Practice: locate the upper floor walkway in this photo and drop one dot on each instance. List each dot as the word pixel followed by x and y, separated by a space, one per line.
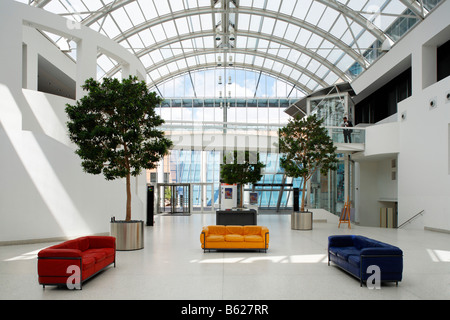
pixel 211 135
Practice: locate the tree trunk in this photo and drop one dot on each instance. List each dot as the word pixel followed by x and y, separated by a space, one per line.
pixel 128 215
pixel 302 207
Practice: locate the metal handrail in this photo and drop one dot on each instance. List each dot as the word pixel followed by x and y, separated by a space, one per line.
pixel 410 219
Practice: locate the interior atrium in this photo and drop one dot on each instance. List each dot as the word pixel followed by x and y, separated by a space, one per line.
pixel 231 73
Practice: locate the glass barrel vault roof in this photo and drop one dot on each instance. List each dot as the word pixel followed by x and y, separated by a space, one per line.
pixel 311 44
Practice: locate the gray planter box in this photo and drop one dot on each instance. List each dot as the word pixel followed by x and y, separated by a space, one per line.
pixel 301 220
pixel 129 234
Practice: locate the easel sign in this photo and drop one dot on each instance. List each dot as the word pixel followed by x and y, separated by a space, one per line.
pixel 345 215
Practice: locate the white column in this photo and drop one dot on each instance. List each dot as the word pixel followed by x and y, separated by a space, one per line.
pixel 11 67
pixel 86 64
pixel 346 178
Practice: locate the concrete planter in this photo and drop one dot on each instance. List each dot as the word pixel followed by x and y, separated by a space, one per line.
pixel 301 220
pixel 129 234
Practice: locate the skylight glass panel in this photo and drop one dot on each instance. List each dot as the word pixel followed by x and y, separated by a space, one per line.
pixel 267 25
pixel 287 7
pixel 301 9
pixel 122 19
pixel 315 13
pixel 356 5
pixel 331 78
pixel 194 23
pixel 303 37
pixel 177 6
pixel 255 23
pixel 328 18
pixel 245 3
pixel 182 25
pixel 158 33
pixel 156 56
pixel 146 60
pixel 93 5
pixel 203 3
pixel 110 27
pixel 146 37
pixel 259 61
pixel 74 5
pixel 277 67
pixel 268 63
pixel 148 9
pixel 55 7
pixel 259 3
pixel 292 32
pixel 294 55
pixel 169 28
pixel 172 67
pixel 136 42
pixel 206 22
pixel 135 13
pixel 345 62
pixel 273 5
pixel 339 27
pixel 280 28
pixel 243 22
pixel 162 7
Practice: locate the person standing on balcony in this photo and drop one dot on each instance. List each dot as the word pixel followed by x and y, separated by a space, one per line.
pixel 347 132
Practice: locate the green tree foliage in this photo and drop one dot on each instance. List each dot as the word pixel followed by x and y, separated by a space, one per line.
pixel 306 147
pixel 241 167
pixel 115 128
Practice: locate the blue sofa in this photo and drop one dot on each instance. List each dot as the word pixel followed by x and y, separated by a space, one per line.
pixel 354 254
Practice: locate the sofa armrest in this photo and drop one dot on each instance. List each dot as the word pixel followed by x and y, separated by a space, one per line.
pixel 340 241
pixel 59 253
pixel 381 251
pixel 203 236
pixel 265 234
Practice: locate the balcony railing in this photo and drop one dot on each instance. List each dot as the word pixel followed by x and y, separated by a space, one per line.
pixel 179 127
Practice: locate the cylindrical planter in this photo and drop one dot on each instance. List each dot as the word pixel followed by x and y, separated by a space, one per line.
pixel 129 234
pixel 301 220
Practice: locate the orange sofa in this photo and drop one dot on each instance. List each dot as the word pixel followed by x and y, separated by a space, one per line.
pixel 234 237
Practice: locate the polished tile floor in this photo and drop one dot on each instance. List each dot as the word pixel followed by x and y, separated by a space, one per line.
pixel 172 266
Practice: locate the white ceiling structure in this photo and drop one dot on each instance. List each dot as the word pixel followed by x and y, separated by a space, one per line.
pixel 310 44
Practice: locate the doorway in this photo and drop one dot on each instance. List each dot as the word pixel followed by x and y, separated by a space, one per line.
pixel 173 198
pixel 202 197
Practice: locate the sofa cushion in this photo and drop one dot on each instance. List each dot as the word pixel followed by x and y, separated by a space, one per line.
pixel 95 254
pixel 252 230
pixel 217 230
pixel 354 260
pixel 235 230
pixel 345 252
pixel 253 238
pixel 215 238
pixel 234 238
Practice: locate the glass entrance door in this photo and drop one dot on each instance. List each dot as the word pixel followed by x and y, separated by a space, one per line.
pixel 202 197
pixel 173 198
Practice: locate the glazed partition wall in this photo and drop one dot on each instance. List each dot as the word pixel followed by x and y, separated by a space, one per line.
pixel 197 164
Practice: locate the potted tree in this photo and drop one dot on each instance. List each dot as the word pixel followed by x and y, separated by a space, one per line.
pixel 115 129
pixel 306 147
pixel 241 168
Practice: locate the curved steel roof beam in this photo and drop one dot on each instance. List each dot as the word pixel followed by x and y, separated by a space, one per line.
pixel 204 66
pixel 321 60
pixel 242 51
pixel 416 7
pixel 264 13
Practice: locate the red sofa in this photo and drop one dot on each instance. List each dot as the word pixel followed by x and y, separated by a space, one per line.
pixel 91 254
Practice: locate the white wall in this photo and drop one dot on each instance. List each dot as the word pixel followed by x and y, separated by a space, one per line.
pixel 423 134
pixel 44 193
